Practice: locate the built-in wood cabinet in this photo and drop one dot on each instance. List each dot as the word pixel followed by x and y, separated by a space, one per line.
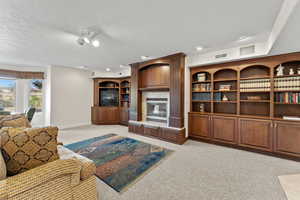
pixel 224 129
pixel 111 101
pixel 277 136
pixel 255 133
pixel 199 126
pixel 247 103
pixel 155 76
pixel 287 138
pixel 105 115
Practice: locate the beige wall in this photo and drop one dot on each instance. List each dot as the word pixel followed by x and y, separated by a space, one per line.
pixel 69 97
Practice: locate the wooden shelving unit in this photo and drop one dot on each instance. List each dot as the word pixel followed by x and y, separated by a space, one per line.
pixel 111 101
pixel 251 112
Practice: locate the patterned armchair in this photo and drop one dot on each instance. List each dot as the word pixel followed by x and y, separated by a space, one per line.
pixel 70 179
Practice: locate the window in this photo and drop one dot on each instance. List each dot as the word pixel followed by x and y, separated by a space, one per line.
pixel 36 94
pixel 7 96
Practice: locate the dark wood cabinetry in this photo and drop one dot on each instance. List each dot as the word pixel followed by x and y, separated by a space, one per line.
pixel 199 126
pixel 157 75
pixel 255 133
pixel 246 103
pixel 111 101
pixel 105 115
pixel 287 138
pixel 224 129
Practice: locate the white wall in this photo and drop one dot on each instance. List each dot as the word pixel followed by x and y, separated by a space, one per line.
pixel 69 97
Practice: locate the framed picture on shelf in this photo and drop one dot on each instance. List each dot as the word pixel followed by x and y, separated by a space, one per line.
pixel 225 87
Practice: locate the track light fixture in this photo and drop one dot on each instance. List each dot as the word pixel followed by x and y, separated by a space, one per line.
pixel 88 37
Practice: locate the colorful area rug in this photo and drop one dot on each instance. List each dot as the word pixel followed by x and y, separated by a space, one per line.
pixel 120 161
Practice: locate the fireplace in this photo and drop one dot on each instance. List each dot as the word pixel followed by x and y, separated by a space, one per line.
pixel 157 110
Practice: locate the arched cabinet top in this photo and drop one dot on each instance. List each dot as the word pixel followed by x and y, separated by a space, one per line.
pixel 255 71
pixel 109 84
pixel 225 74
pixel 201 76
pixel 158 64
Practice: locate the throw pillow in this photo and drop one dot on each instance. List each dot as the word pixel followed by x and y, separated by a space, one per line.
pixel 2 167
pixel 18 120
pixel 27 148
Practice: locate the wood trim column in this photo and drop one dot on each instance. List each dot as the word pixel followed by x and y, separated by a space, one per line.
pixel 176 118
pixel 134 94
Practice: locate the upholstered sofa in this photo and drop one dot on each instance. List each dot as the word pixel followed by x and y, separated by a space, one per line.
pixel 60 175
pixel 69 178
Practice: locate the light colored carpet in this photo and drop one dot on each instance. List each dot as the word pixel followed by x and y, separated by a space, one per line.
pixel 291 186
pixel 197 171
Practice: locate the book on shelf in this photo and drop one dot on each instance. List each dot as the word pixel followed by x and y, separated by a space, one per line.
pixel 287 97
pixel 255 85
pixel 202 87
pixel 218 96
pixel 287 83
pixel 201 97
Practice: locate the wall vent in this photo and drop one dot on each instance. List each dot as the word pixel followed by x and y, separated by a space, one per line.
pixel 247 50
pixel 223 55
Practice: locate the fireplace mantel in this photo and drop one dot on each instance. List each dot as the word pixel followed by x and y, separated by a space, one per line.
pixel 162 74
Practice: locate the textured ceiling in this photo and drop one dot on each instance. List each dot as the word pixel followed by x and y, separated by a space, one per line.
pixel 43 32
pixel 289 39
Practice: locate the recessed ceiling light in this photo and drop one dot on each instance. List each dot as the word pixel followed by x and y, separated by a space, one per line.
pixel 244 38
pixel 145 57
pixel 82 67
pixel 96 43
pixel 199 48
pixel 107 69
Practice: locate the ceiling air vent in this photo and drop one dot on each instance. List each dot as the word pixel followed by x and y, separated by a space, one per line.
pixel 247 50
pixel 224 55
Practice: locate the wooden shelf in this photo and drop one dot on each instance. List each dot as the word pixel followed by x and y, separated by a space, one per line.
pixel 254 78
pixel 201 91
pixel 225 101
pixel 199 101
pixel 208 81
pixel 225 91
pixel 255 91
pixel 154 88
pixel 282 103
pixel 256 101
pixel 295 75
pixel 286 90
pixel 225 80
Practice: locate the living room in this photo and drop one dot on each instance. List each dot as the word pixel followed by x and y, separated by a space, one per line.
pixel 150 100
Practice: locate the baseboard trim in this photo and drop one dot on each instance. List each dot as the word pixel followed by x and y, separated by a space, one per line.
pixel 72 126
